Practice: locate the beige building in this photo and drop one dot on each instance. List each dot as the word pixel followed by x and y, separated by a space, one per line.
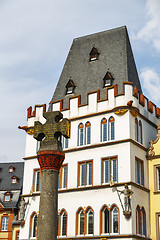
pixel 154 185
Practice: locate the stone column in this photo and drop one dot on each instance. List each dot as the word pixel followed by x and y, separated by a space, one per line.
pixel 50 157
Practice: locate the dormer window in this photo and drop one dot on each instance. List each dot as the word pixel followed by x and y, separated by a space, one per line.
pixel 10 169
pixel 14 180
pixel 7 197
pixel 70 87
pixel 107 80
pixel 94 54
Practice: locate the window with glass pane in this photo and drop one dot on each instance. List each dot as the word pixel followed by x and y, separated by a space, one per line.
pixel 64 177
pixel 138 219
pixel 115 220
pixel 104 130
pixel 81 223
pixel 109 170
pixel 85 173
pixel 140 132
pixel 66 142
pixel 106 221
pixel 114 169
pixel 57 223
pixel 89 173
pixel 111 129
pixel 90 222
pixel 4 226
pixel 36 176
pixel 34 233
pixel 17 236
pixel 80 134
pixel 64 224
pixel 136 130
pixel 82 174
pixel 139 172
pixel 158 178
pixel 88 133
pixel 143 220
pixel 7 197
pixel 106 171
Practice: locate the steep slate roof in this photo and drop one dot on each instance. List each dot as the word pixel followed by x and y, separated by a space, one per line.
pixel 5 182
pixel 115 56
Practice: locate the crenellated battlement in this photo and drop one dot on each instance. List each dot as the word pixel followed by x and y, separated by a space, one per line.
pixel 95 104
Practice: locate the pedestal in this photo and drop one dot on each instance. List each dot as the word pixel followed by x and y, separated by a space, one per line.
pixel 50 163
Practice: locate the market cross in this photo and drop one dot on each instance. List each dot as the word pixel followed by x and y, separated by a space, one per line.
pixel 50 133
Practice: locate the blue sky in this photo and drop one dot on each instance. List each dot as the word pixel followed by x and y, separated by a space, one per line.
pixel 35 37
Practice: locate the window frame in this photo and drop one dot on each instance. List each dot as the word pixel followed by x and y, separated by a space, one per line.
pixel 111 177
pixel 157 225
pixel 12 180
pixel 139 224
pixel 61 176
pixel 60 223
pixel 110 220
pixel 111 127
pixel 78 222
pixel 88 210
pixel 80 142
pixel 138 173
pixel 17 234
pixel 4 225
pixel 33 215
pixel 86 173
pixel 86 133
pixel 156 181
pixel 103 133
pixel 34 185
pixel 7 194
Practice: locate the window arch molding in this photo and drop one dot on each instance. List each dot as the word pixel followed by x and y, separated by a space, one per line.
pixel 103 129
pixel 80 139
pixel 89 225
pixel 80 222
pixel 111 128
pixel 102 219
pixel 140 221
pixel 87 133
pixel 114 219
pixel 33 225
pixel 62 222
pixel 140 132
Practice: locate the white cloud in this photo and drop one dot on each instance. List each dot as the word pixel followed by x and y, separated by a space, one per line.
pixel 151 83
pixel 151 31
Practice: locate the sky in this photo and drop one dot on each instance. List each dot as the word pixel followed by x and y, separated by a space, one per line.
pixel 35 38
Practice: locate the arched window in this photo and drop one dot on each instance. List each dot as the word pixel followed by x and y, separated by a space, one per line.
pixel 80 225
pixel 140 132
pixel 80 134
pixel 103 130
pixel 63 223
pixel 89 224
pixel 33 225
pixel 111 128
pixel 114 220
pixel 88 133
pixel 105 220
pixel 143 221
pixel 138 220
pixel 136 130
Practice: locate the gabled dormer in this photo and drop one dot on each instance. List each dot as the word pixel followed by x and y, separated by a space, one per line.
pixel 70 87
pixel 94 54
pixel 14 180
pixel 7 197
pixel 11 169
pixel 108 80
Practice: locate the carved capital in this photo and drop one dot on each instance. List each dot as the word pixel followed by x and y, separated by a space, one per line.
pixel 50 159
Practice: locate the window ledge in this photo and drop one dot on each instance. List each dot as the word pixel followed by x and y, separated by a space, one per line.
pixel 157 192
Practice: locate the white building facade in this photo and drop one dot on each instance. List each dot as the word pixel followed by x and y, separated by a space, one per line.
pixel 108 143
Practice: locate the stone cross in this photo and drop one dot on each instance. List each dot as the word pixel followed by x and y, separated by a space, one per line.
pixel 50 157
pixel 50 133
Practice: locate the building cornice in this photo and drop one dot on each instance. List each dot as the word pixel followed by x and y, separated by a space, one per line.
pixel 92 188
